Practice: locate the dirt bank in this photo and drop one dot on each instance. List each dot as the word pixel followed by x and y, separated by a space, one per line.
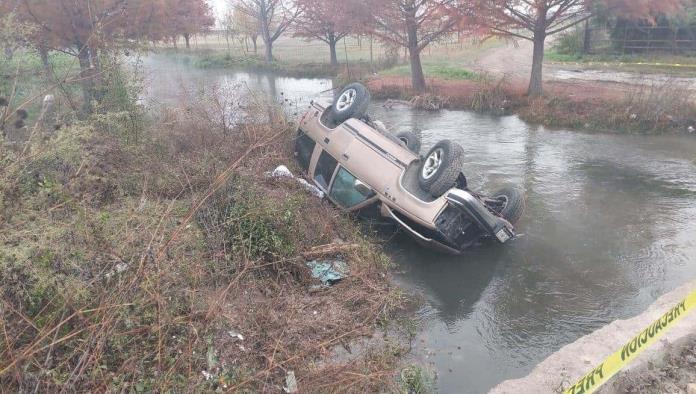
pixel 165 259
pixel 671 355
pixel 584 106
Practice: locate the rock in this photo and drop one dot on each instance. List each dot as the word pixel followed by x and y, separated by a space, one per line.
pixel 691 388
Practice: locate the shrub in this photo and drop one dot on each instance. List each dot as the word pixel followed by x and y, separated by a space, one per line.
pixel 570 43
pixel 242 220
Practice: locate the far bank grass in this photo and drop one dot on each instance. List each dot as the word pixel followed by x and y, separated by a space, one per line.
pixel 439 70
pixel 304 70
pixel 667 108
pixel 646 64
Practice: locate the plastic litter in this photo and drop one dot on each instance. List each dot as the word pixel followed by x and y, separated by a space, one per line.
pixel 284 172
pixel 290 383
pixel 329 272
pixel 235 334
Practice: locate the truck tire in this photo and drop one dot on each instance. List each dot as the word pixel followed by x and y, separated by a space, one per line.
pixel 441 167
pixel 514 203
pixel 411 141
pixel 351 102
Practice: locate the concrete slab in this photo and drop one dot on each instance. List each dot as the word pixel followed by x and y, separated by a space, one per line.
pixel 563 368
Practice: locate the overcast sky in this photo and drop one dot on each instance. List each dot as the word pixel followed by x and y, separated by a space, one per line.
pixel 219 7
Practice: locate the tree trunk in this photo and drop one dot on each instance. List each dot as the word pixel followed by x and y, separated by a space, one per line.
pixel 187 38
pixel 587 38
pixel 96 73
pixel 417 77
pixel 266 32
pixel 332 47
pixel 268 57
pixel 86 77
pixel 536 88
pixel 43 53
pixel 253 40
pixel 372 67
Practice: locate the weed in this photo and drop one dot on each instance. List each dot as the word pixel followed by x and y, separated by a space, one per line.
pixel 492 96
pixel 249 223
pixel 570 43
pixel 416 380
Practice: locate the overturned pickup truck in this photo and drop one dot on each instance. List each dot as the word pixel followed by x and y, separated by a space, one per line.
pixel 365 169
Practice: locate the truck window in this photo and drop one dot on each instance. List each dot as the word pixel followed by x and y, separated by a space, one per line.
pixel 325 169
pixel 343 190
pixel 304 147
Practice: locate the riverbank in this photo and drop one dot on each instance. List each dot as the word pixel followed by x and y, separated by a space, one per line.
pixel 666 366
pixel 297 70
pixel 581 106
pixel 677 66
pixel 141 251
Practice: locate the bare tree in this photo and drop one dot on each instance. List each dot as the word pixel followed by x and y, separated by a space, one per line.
pixel 274 17
pixel 247 26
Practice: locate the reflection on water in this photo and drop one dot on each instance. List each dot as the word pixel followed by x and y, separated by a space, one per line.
pixel 608 229
pixel 167 77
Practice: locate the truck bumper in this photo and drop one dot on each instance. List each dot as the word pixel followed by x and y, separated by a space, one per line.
pixel 495 226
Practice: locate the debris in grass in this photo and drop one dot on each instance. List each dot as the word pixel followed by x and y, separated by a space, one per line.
pixel 284 172
pixel 120 267
pixel 235 334
pixel 329 272
pixel 290 383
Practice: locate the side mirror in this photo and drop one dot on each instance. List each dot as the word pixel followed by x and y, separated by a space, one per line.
pixel 362 188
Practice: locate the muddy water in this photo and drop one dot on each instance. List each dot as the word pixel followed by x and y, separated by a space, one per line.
pixel 609 227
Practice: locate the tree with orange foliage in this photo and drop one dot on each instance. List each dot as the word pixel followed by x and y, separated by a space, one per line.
pixel 415 24
pixel 646 9
pixel 330 21
pixel 85 28
pixel 189 17
pixel 535 20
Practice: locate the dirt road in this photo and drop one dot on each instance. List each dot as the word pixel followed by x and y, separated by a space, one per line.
pixel 514 60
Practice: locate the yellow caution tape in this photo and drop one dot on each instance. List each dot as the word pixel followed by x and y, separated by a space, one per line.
pixel 613 364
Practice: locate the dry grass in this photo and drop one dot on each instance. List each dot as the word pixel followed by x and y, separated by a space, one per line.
pixel 658 108
pixel 484 94
pixel 132 267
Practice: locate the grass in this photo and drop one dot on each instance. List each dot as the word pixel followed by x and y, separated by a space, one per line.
pixel 26 66
pixel 442 71
pixel 649 64
pixel 666 107
pixel 305 70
